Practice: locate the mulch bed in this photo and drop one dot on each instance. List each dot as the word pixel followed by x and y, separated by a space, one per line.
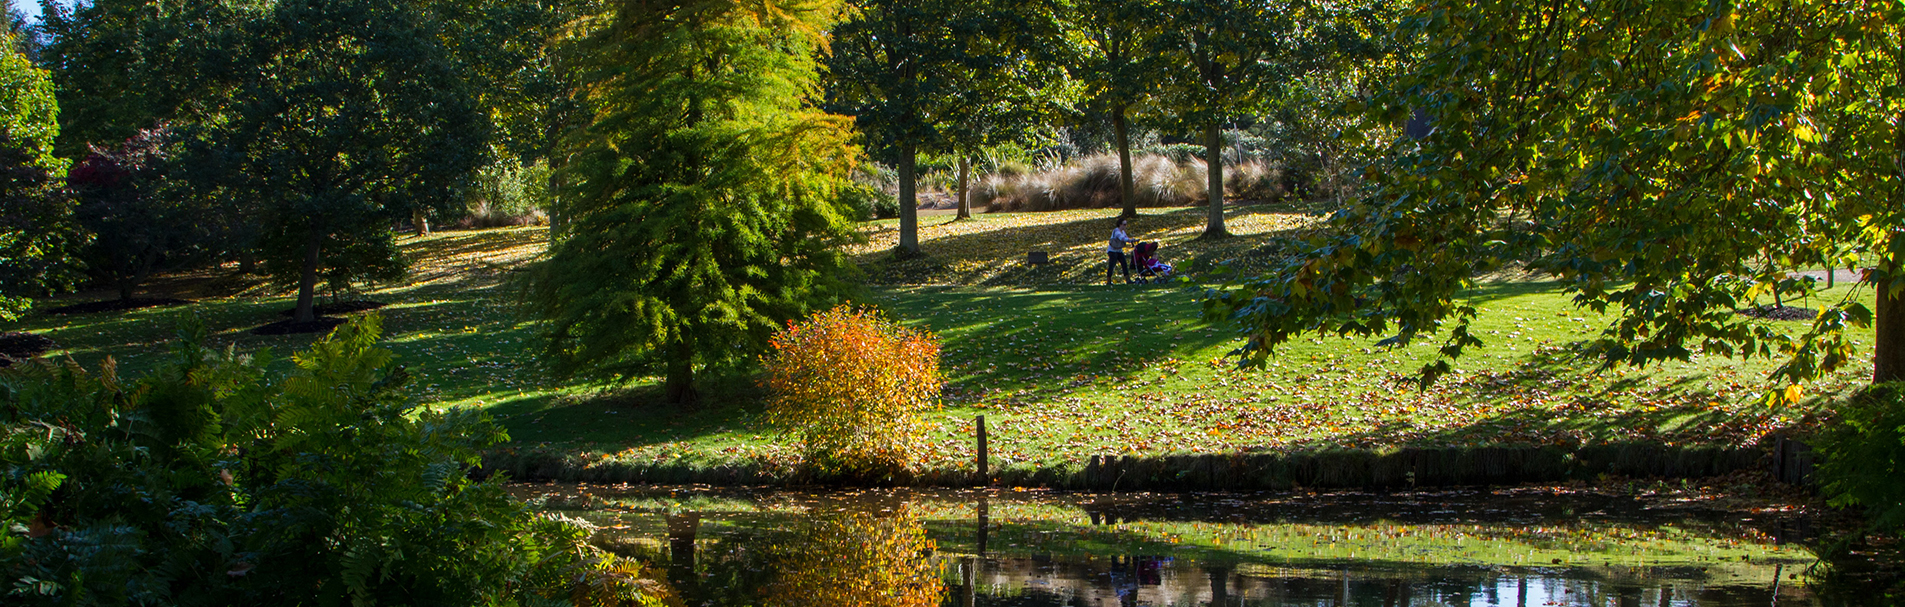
pixel 22 347
pixel 323 324
pixel 119 305
pixel 339 307
pixel 1780 313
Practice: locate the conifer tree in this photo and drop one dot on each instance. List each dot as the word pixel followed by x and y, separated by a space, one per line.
pixel 701 199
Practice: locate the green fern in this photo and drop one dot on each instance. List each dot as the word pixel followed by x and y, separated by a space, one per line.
pixel 214 481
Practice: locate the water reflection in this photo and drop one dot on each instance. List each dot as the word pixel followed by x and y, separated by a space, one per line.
pixel 881 548
pixel 832 559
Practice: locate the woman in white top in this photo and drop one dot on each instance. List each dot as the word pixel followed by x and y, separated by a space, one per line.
pixel 1116 250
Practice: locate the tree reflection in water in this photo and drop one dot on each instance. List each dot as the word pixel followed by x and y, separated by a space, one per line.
pixel 855 559
pixel 735 548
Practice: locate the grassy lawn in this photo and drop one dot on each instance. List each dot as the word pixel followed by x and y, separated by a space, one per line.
pixel 1063 366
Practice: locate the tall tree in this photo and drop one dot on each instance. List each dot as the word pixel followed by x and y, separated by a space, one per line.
pixel 38 237
pixel 702 197
pixel 503 48
pixel 889 59
pixel 1674 160
pixel 1009 85
pixel 942 75
pixel 1119 69
pixel 352 114
pixel 128 65
pixel 1235 55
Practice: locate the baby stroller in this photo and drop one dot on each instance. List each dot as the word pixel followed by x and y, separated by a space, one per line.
pixel 1145 256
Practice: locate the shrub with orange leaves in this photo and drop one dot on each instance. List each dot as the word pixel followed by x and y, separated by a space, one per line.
pixel 851 384
pixel 856 559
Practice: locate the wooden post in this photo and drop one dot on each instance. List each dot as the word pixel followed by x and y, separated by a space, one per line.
pixel 984 476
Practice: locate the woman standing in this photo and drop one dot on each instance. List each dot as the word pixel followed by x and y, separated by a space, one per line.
pixel 1116 251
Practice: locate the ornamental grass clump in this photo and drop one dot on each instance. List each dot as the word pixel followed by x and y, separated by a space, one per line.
pixel 852 384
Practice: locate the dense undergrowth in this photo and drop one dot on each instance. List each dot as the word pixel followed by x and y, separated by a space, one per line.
pixel 220 478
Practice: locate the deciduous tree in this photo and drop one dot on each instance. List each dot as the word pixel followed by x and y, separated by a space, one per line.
pixel 140 220
pixel 1235 55
pixel 127 65
pixel 943 75
pixel 1119 69
pixel 1673 161
pixel 352 114
pixel 38 237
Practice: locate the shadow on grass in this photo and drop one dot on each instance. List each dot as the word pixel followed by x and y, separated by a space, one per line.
pixel 631 416
pixel 1054 338
pixel 1007 268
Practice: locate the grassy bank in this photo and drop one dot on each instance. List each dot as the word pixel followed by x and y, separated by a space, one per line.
pixel 1063 367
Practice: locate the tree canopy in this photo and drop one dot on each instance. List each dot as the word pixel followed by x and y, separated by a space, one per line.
pixel 126 65
pixel 1233 56
pixel 37 235
pixel 943 75
pixel 142 219
pixel 702 199
pixel 1119 69
pixel 353 113
pixel 1675 161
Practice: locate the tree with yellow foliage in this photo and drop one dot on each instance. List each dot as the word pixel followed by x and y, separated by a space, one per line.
pixel 703 198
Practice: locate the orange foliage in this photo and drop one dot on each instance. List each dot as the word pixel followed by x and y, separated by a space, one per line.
pixel 852 384
pixel 857 559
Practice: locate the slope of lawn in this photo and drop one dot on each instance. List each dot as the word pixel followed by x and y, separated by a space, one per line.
pixel 1063 366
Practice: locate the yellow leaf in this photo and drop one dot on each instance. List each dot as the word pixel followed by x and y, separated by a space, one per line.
pixel 1793 393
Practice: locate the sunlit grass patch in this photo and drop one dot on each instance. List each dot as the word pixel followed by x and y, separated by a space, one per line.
pixel 991 249
pixel 1063 371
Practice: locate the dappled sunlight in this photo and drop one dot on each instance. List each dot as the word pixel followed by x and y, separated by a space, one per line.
pixel 457 256
pixel 991 249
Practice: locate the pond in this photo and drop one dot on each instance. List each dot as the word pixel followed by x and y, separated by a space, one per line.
pixel 1519 547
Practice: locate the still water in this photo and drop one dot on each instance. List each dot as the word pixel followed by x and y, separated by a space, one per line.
pixel 1520 547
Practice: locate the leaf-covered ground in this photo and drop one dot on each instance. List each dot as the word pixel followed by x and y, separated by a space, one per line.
pixel 1062 366
pixel 991 249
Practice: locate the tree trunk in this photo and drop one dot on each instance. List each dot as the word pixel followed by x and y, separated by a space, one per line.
pixel 1127 197
pixel 129 285
pixel 909 204
pixel 965 175
pixel 421 223
pixel 1888 349
pixel 247 262
pixel 1220 585
pixel 680 382
pixel 1214 168
pixel 307 282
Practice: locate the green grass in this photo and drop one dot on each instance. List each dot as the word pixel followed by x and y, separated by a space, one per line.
pixel 1062 368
